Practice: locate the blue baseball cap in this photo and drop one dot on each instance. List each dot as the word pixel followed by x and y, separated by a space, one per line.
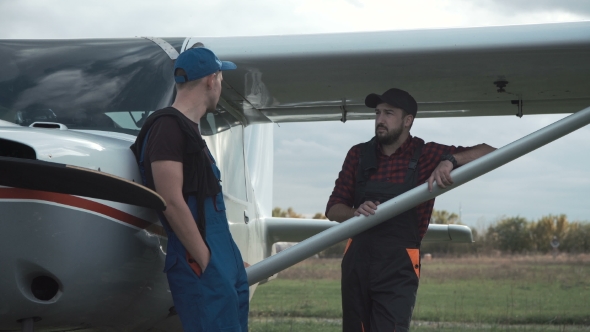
pixel 199 62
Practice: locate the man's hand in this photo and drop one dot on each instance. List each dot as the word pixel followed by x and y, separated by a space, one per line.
pixel 366 209
pixel 441 174
pixel 168 178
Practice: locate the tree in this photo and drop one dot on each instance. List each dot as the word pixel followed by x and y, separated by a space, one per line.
pixel 319 215
pixel 545 229
pixel 443 217
pixel 278 212
pixel 577 238
pixel 511 235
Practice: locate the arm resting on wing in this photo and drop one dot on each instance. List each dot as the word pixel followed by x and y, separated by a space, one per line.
pixel 442 172
pixel 473 153
pixel 168 178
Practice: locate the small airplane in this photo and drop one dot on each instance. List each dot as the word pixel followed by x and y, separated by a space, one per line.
pixel 79 254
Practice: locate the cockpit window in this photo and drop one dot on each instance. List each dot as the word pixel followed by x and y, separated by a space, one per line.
pixel 212 123
pixel 216 122
pixel 26 117
pixel 110 85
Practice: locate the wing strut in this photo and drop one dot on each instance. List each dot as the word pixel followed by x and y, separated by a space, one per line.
pixel 399 204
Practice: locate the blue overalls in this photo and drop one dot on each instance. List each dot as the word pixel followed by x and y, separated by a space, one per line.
pixel 218 299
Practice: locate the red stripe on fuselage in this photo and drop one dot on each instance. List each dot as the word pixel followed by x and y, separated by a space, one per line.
pixel 82 203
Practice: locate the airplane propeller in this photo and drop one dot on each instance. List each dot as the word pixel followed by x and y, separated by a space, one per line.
pixel 74 180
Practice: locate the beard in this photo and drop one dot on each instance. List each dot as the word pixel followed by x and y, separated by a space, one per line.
pixel 390 136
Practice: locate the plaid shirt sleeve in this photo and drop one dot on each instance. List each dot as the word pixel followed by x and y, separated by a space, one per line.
pixel 431 155
pixel 344 188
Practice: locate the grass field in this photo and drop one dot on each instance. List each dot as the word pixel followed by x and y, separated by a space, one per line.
pixel 514 293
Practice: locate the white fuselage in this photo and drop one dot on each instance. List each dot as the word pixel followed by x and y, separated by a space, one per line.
pixel 107 257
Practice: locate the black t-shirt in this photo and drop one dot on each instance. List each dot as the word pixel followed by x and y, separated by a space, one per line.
pixel 166 142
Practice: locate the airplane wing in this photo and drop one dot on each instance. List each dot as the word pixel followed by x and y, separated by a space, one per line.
pixel 294 229
pixel 299 229
pixel 529 69
pixel 507 70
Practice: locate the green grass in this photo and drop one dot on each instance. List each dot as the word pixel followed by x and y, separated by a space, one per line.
pixel 291 324
pixel 484 294
pixel 463 327
pixel 319 325
pixel 505 291
pixel 297 298
pixel 492 301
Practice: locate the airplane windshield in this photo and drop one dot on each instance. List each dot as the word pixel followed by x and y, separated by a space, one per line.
pixel 212 123
pixel 95 84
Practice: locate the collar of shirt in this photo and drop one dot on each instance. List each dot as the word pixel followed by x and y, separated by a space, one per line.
pixel 406 147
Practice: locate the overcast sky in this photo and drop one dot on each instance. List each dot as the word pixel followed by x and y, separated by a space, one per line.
pixel 554 179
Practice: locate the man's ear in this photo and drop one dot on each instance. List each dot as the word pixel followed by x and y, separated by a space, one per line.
pixel 210 79
pixel 409 119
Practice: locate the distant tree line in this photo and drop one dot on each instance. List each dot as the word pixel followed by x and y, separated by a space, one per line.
pixel 509 235
pixel 517 235
pixel 289 213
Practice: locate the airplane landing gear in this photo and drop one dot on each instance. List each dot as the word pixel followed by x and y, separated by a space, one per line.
pixel 27 324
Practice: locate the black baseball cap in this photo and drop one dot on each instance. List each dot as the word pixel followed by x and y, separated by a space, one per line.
pixel 394 97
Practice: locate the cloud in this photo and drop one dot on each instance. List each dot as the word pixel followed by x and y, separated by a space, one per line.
pixel 109 19
pixel 514 7
pixel 179 18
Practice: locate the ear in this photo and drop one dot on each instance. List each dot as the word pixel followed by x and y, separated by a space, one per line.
pixel 408 120
pixel 210 80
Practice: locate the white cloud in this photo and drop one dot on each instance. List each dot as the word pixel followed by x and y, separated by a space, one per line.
pixel 178 18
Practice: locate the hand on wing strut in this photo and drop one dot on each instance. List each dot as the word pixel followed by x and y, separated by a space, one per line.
pixel 366 208
pixel 441 174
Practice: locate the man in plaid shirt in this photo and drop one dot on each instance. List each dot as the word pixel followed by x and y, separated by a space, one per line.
pixel 381 266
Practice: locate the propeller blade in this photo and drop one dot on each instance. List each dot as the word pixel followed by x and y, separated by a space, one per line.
pixel 74 180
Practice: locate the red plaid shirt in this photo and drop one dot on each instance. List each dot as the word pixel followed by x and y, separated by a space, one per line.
pixel 392 169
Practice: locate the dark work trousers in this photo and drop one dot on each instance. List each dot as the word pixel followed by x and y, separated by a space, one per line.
pixel 379 284
pixel 381 266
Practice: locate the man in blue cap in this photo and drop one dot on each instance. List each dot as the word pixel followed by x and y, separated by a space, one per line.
pixel 204 267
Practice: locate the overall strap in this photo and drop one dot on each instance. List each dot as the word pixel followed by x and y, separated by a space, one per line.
pixel 141 157
pixel 414 162
pixel 367 165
